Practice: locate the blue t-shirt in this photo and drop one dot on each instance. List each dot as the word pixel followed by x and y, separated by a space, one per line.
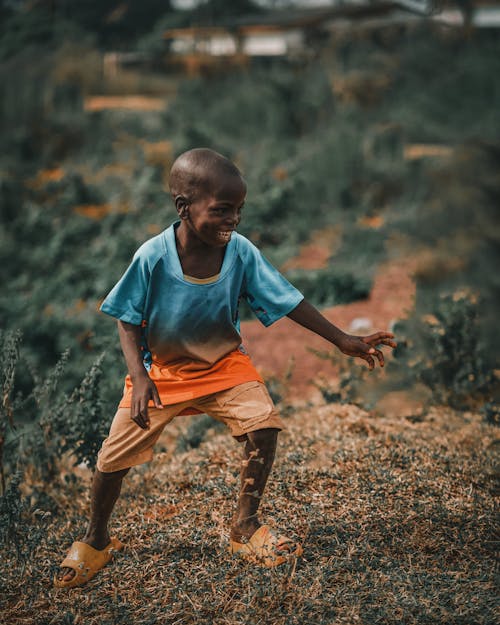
pixel 196 322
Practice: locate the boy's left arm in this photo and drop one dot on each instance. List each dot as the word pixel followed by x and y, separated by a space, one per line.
pixel 306 315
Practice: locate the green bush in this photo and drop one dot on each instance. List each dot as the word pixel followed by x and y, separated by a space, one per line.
pixel 329 287
pixel 311 160
pixel 445 352
pixel 351 383
pixel 38 427
pixel 196 432
pixel 37 430
pixel 22 527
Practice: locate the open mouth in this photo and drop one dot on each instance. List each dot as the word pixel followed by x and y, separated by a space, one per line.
pixel 224 235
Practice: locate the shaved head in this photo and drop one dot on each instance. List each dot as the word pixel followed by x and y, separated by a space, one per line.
pixel 201 171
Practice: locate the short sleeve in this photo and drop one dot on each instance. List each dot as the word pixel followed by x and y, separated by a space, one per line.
pixel 269 294
pixel 126 301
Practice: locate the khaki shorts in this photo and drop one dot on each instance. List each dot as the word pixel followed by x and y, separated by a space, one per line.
pixel 244 408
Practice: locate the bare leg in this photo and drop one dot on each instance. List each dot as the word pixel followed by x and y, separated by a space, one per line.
pixel 105 491
pixel 258 458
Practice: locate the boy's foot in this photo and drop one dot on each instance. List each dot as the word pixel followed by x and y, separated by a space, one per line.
pixel 241 532
pixel 266 548
pixel 84 559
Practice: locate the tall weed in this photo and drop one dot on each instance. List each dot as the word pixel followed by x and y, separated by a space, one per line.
pixel 41 426
pixel 22 526
pixel 9 345
pixel 39 431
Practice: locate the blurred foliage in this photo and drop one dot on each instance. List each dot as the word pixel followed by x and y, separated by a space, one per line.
pixel 196 432
pixel 211 11
pixel 37 27
pixel 113 25
pixel 39 427
pixel 320 144
pixel 438 112
pixel 328 287
pixel 345 389
pixel 446 352
pixel 22 526
pixel 451 343
pixel 47 22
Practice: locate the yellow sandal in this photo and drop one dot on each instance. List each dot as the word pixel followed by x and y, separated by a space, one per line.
pixel 86 562
pixel 265 548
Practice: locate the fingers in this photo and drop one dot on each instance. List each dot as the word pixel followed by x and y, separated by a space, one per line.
pixel 139 410
pixel 380 338
pixel 142 420
pixel 156 398
pixel 389 343
pixel 365 347
pixel 370 361
pixel 380 357
pixel 139 413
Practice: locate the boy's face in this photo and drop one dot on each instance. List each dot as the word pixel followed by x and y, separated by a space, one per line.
pixel 213 216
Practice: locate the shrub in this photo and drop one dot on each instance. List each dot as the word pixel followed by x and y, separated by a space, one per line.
pixel 196 432
pixel 9 345
pixel 347 386
pixel 331 286
pixel 446 352
pixel 36 428
pixel 40 425
pixel 22 527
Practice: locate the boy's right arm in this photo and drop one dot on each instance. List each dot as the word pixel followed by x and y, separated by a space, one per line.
pixel 143 388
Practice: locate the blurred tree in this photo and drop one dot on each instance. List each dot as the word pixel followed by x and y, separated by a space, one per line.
pixel 38 27
pixel 115 24
pixel 466 7
pixel 211 11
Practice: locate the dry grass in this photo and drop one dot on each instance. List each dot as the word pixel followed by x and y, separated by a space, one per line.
pixel 396 517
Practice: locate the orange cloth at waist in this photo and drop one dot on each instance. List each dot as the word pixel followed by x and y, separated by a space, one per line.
pixel 180 382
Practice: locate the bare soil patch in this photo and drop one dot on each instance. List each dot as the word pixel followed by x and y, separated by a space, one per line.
pixel 286 344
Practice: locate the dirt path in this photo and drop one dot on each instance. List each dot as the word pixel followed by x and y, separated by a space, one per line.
pixel 273 349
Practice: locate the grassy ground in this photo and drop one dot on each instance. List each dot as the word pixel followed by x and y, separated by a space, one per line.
pixel 396 517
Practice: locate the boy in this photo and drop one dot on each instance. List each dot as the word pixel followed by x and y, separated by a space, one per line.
pixel 177 311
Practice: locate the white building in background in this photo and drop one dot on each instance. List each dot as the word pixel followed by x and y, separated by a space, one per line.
pixel 264 41
pixel 293 33
pixel 288 33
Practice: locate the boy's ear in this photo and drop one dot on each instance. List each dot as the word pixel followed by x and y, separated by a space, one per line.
pixel 182 205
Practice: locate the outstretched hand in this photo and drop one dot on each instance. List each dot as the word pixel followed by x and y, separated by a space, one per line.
pixel 365 347
pixel 143 391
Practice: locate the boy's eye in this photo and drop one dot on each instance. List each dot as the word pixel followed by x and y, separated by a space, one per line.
pixel 221 210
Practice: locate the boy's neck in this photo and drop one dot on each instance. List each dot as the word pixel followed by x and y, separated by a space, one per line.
pixel 197 259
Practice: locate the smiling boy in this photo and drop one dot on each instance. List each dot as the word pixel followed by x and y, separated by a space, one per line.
pixel 177 312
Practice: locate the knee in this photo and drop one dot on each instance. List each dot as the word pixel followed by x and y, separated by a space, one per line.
pixel 112 476
pixel 263 436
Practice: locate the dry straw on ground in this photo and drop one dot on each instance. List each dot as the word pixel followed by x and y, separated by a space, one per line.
pixel 396 517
